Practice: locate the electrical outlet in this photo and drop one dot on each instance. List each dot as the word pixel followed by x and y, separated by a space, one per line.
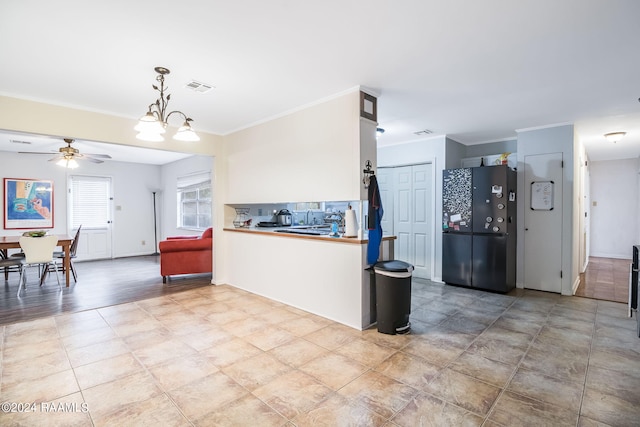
pixel 144 243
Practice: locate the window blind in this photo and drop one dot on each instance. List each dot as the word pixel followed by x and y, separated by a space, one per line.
pixel 90 201
pixel 193 179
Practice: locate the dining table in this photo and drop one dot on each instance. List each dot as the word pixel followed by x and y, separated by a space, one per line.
pixel 64 241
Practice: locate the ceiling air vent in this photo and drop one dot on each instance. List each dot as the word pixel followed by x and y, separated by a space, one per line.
pixel 15 141
pixel 423 132
pixel 199 86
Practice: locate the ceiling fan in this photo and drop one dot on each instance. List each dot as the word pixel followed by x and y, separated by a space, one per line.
pixel 69 155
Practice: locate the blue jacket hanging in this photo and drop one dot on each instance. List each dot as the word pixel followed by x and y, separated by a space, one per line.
pixel 374 221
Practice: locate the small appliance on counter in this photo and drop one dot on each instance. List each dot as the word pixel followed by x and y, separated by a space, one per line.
pixel 284 217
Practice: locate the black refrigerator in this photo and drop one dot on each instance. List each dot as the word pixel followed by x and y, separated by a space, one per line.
pixel 479 227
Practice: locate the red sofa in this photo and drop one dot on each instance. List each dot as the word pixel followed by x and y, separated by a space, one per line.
pixel 186 255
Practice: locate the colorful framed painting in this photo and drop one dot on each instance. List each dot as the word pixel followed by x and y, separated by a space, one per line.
pixel 28 203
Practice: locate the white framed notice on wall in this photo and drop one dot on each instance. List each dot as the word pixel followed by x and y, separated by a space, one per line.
pixel 542 195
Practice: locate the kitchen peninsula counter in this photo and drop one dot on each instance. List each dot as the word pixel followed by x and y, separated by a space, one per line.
pixel 274 232
pixel 322 275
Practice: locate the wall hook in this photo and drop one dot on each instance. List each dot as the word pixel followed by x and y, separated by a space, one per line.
pixel 367 171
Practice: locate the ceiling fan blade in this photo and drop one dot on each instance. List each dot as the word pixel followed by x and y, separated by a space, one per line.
pixel 55 159
pixel 37 152
pixel 101 156
pixel 92 160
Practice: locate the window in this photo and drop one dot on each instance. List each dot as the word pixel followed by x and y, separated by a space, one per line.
pixel 89 200
pixel 194 201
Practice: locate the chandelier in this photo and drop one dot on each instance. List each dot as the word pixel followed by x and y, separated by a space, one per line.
pixel 153 125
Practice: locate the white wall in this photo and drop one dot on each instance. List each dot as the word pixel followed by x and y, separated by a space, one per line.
pixel 552 139
pixel 132 182
pixel 167 189
pixel 311 154
pixel 614 202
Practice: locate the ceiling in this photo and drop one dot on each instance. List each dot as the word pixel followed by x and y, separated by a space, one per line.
pixel 475 71
pixel 49 146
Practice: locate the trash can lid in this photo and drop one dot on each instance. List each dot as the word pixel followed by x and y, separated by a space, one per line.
pixel 395 266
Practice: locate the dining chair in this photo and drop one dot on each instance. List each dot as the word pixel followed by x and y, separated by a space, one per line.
pixel 38 251
pixel 72 254
pixel 10 264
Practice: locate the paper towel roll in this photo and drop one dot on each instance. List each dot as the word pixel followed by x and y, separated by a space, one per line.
pixel 350 224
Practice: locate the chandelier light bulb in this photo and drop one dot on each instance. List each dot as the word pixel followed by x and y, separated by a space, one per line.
pixel 185 133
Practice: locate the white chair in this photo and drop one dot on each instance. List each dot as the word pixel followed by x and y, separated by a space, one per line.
pixel 38 251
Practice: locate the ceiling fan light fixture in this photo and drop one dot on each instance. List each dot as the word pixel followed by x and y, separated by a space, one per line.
pixel 614 136
pixel 67 162
pixel 152 125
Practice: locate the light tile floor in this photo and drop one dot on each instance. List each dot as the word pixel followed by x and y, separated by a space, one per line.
pixel 221 356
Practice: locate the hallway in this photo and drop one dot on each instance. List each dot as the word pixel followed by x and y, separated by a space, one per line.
pixel 605 279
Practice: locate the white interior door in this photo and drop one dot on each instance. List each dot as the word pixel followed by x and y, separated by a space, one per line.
pixel 403 208
pixel 543 222
pixel 90 205
pixel 421 219
pixel 407 192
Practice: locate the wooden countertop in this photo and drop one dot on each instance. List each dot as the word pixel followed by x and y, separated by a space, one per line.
pixel 325 238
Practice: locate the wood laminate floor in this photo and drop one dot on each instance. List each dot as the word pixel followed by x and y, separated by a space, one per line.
pixel 605 279
pixel 100 284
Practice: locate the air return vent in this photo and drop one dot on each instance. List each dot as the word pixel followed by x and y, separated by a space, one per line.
pixel 15 141
pixel 199 86
pixel 423 132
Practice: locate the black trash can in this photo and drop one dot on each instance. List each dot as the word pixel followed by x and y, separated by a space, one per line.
pixel 393 296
